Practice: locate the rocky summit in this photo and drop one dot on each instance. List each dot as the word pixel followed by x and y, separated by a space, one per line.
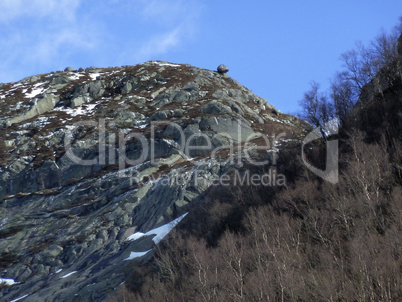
pixel 98 165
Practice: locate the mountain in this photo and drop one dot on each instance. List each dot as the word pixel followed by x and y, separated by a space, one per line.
pixel 98 165
pixel 312 240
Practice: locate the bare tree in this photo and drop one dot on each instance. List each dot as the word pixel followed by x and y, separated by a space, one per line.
pixel 343 95
pixel 364 63
pixel 316 108
pixel 376 64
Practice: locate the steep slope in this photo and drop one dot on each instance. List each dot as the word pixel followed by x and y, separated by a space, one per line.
pixel 91 157
pixel 314 240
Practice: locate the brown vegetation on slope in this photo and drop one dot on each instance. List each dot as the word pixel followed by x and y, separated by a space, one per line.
pixel 310 242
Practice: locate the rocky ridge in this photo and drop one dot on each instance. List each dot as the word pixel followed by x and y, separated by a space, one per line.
pixel 91 157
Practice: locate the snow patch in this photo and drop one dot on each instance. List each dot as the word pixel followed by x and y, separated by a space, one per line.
pixel 40 122
pixel 78 110
pixel 75 76
pixel 21 132
pixel 165 229
pixel 160 232
pixel 20 298
pixel 166 64
pixel 171 142
pixel 94 76
pixel 135 236
pixel 141 124
pixel 18 105
pixel 15 86
pixel 8 282
pixel 69 274
pixel 36 91
pixel 134 255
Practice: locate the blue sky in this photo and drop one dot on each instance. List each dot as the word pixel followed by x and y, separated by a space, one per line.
pixel 275 48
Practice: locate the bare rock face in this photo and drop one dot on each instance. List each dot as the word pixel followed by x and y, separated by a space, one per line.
pixel 223 69
pixel 90 157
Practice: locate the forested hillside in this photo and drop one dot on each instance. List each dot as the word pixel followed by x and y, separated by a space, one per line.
pixel 311 240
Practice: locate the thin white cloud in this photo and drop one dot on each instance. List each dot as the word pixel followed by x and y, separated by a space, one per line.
pixel 13 9
pixel 56 45
pixel 40 34
pixel 180 23
pixel 44 35
pixel 159 44
pixel 166 11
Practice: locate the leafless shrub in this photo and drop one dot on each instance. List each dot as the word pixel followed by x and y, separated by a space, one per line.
pixel 313 241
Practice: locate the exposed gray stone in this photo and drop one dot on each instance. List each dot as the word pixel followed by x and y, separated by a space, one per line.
pixel 237 129
pixel 52 251
pixel 215 107
pixel 60 80
pixel 180 96
pixel 31 79
pixel 62 212
pixel 127 88
pixel 95 89
pixel 191 86
pixel 43 104
pixel 223 68
pixel 94 246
